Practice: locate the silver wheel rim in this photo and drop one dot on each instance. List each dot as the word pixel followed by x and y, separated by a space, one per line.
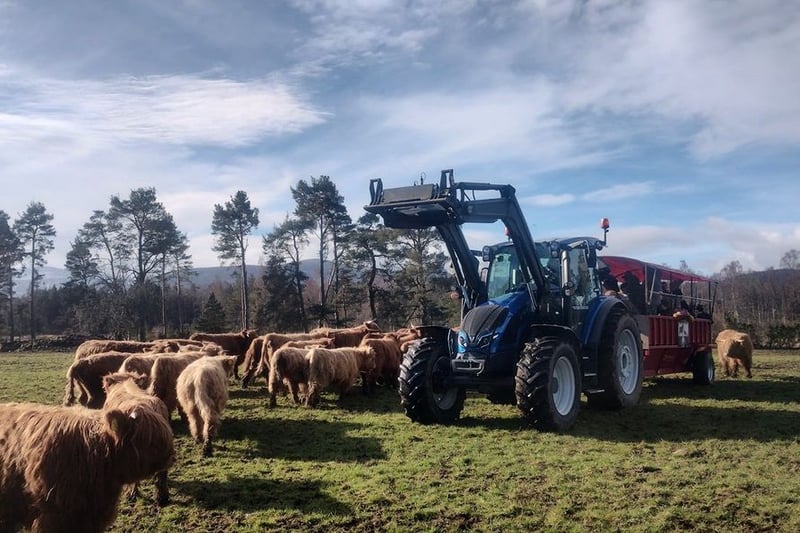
pixel 710 368
pixel 628 362
pixel 444 399
pixel 447 399
pixel 562 386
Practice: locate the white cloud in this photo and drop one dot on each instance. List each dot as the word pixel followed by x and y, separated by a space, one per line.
pixel 181 110
pixel 727 69
pixel 622 191
pixel 548 200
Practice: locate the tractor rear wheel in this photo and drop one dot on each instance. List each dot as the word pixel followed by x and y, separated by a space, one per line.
pixel 703 370
pixel 425 392
pixel 548 384
pixel 620 364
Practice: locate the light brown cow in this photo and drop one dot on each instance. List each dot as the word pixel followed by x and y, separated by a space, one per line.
pixel 124 391
pixel 94 346
pixel 233 343
pixel 63 468
pixel 338 368
pixel 202 389
pixel 735 349
pixel 86 375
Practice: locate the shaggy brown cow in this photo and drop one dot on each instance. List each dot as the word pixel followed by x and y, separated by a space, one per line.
pixel 94 346
pixel 202 390
pixel 87 376
pixel 124 391
pixel 735 349
pixel 264 367
pixel 257 361
pixel 252 359
pixel 288 368
pixel 348 337
pixel 338 368
pixel 62 469
pixel 387 361
pixel 233 343
pixel 141 364
pixel 172 345
pixel 164 377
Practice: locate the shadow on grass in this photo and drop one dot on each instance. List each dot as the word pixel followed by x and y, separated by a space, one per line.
pixel 673 409
pixel 253 494
pixel 678 410
pixel 781 389
pixel 678 422
pixel 304 440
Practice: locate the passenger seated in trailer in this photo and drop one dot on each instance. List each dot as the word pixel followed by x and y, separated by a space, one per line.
pixel 632 288
pixel 610 286
pixel 682 311
pixel 665 308
pixel 701 313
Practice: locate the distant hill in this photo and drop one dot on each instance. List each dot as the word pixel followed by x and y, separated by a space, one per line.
pixel 205 276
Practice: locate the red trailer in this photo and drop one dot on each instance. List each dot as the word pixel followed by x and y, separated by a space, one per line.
pixel 673 310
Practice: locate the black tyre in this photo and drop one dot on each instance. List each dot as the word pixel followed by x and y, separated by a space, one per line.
pixel 703 369
pixel 548 384
pixel 425 393
pixel 620 364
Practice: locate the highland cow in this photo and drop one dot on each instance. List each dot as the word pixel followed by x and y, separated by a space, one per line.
pixel 233 343
pixel 252 360
pixel 317 342
pixel 257 361
pixel 86 375
pixel 124 391
pixel 164 377
pixel 735 349
pixel 63 468
pixel 387 362
pixel 202 390
pixel 172 345
pixel 288 368
pixel 348 337
pixel 94 346
pixel 141 364
pixel 337 368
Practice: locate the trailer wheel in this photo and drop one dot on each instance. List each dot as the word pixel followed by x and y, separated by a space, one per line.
pixel 703 370
pixel 425 393
pixel 548 384
pixel 620 364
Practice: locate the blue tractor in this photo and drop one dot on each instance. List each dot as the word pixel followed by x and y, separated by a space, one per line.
pixel 537 330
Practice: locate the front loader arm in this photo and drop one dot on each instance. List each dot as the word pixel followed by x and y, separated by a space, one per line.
pixel 446 206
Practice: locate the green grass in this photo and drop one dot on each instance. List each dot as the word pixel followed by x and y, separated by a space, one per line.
pixel 720 458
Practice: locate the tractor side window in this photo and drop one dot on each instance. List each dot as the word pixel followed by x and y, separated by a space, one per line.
pixel 580 276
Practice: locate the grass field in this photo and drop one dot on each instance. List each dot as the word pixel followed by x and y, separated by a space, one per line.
pixel 719 458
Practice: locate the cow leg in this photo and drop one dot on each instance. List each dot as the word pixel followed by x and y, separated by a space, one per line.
pixel 162 491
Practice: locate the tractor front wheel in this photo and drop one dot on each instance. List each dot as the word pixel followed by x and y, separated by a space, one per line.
pixel 425 392
pixel 548 384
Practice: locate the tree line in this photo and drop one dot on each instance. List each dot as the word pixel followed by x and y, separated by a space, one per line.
pixel 131 274
pixel 130 271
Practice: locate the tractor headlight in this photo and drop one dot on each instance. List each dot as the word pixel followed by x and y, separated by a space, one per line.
pixel 463 341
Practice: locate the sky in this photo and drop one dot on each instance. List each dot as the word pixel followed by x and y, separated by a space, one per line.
pixel 679 121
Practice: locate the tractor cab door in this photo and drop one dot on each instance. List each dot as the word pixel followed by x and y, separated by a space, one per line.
pixel 580 284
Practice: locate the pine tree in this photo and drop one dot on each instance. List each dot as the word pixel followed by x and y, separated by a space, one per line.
pixel 212 319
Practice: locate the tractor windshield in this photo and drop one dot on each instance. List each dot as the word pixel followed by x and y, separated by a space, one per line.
pixel 505 274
